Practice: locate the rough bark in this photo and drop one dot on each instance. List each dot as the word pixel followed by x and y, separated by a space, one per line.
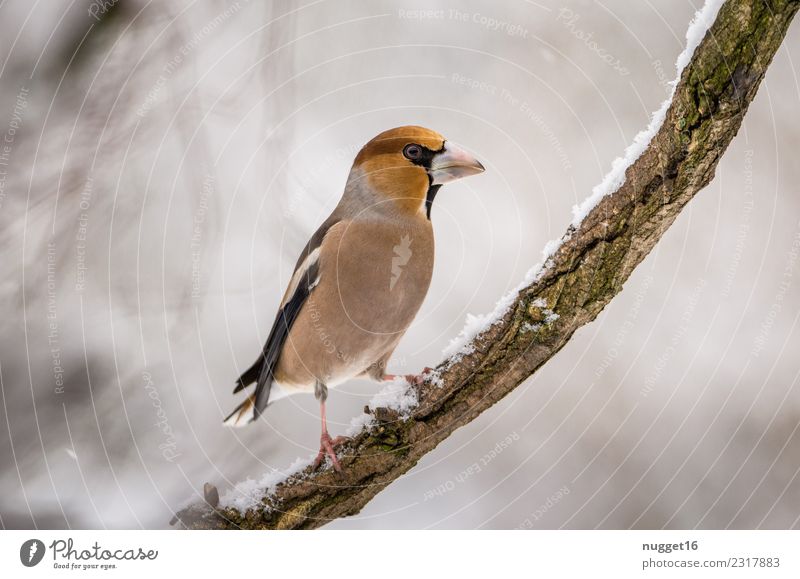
pixel 587 271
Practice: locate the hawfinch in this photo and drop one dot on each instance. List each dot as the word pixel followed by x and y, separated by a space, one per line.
pixel 361 278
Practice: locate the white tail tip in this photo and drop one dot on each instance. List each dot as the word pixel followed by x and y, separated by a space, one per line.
pixel 243 415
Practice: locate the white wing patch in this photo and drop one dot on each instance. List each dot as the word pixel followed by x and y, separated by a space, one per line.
pixel 308 262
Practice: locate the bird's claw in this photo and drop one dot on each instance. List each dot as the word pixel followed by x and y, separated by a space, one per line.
pixel 327 446
pixel 417 379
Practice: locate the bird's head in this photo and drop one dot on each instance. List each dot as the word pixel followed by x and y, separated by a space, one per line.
pixel 407 165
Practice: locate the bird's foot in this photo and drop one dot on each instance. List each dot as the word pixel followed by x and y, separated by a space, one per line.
pixel 327 446
pixel 414 379
pixel 417 379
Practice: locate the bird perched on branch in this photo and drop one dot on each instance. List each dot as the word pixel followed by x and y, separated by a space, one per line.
pixel 361 278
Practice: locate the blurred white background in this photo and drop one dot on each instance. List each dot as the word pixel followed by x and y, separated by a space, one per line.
pixel 163 163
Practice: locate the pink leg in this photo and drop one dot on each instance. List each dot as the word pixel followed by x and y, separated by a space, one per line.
pixel 327 444
pixel 410 378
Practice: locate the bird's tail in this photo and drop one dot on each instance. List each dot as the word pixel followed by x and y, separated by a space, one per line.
pixel 244 413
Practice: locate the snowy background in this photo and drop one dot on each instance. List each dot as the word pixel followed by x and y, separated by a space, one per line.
pixel 163 163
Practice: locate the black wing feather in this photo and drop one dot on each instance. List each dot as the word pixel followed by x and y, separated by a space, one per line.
pixel 277 337
pixel 263 368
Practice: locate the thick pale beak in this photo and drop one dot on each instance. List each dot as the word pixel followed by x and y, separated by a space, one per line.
pixel 453 163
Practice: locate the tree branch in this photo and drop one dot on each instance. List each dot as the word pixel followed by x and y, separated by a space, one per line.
pixel 587 270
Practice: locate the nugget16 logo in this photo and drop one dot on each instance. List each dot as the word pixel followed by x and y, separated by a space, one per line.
pixel 31 552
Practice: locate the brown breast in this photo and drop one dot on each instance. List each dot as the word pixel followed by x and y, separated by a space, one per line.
pixel 374 276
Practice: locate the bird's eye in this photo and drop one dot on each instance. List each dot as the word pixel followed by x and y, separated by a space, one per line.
pixel 412 152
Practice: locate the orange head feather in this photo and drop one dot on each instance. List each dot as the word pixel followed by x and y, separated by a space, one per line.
pixel 406 165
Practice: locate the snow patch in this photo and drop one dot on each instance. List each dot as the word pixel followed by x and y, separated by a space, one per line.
pixel 361 422
pixel 397 395
pixel 248 494
pixel 435 378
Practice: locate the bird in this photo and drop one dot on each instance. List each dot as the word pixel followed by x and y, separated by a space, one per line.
pixel 361 278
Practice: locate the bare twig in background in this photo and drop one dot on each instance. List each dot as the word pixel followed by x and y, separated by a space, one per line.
pixel 588 269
